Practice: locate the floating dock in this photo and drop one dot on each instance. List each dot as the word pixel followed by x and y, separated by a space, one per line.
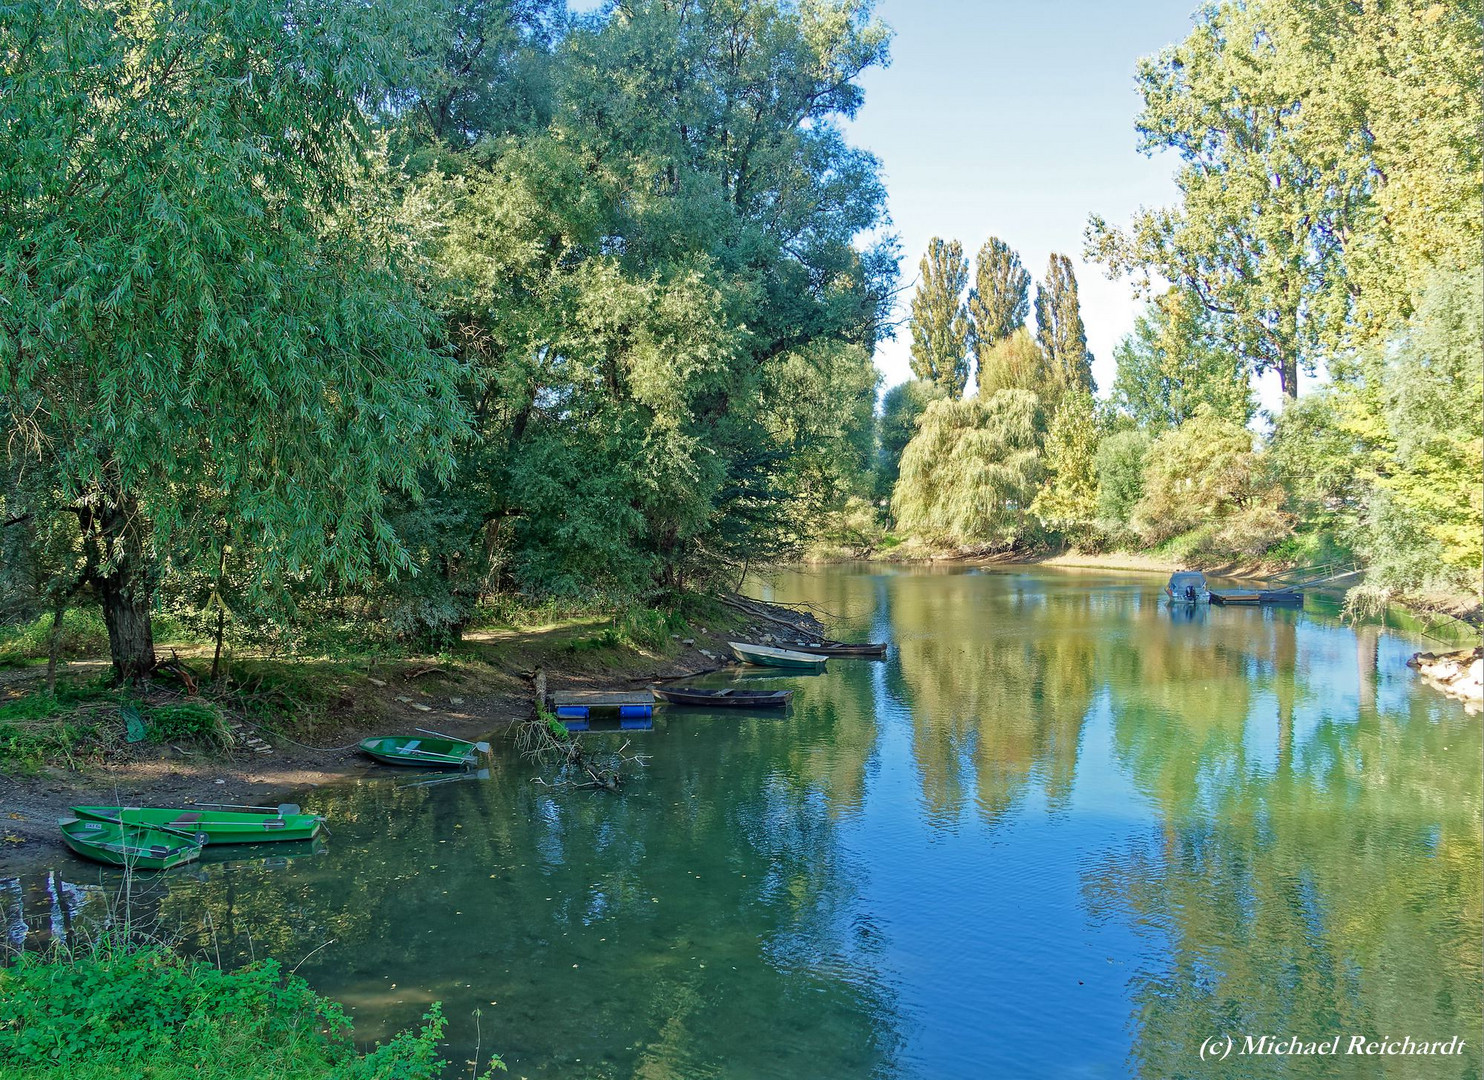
pixel 1257 596
pixel 581 704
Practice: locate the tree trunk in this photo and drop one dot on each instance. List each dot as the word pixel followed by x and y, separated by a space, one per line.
pixel 125 589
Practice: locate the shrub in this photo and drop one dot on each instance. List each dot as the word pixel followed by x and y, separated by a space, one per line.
pixel 1206 473
pixel 1120 468
pixel 148 1012
pixel 83 635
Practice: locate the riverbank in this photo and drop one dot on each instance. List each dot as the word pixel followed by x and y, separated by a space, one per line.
pixel 319 709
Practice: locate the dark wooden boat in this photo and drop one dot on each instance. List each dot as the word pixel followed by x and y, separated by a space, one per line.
pixel 727 699
pixel 1257 596
pixel 132 846
pixel 420 750
pixel 873 650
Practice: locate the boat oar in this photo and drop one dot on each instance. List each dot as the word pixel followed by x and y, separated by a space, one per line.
pixel 282 809
pixel 482 747
pixel 200 839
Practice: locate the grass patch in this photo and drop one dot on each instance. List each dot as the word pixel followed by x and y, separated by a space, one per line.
pixel 83 635
pixel 146 1011
pixel 69 727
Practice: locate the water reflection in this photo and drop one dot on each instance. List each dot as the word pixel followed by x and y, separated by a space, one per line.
pixel 1063 829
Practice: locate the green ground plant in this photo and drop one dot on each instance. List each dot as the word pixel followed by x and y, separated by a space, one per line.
pixel 145 1011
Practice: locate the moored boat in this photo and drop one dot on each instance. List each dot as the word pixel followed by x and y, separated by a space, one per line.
pixel 727 699
pixel 873 650
pixel 131 846
pixel 422 750
pixel 785 659
pixel 1188 587
pixel 218 826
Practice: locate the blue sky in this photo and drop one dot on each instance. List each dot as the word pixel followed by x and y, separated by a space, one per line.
pixel 1016 120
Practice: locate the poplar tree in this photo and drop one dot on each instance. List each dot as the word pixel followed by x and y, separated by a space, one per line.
pixel 940 318
pixel 1059 327
pixel 999 301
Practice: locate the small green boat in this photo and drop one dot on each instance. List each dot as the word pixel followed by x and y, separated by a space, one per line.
pixel 218 826
pixel 785 659
pixel 127 845
pixel 422 750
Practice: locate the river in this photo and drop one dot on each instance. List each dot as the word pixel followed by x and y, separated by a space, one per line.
pixel 1064 830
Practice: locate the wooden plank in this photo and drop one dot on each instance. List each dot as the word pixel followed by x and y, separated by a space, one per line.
pixel 601 699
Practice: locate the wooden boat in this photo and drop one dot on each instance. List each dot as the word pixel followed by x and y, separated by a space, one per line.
pixel 727 699
pixel 127 845
pixel 767 656
pixel 422 750
pixel 873 650
pixel 218 826
pixel 1188 587
pixel 1257 596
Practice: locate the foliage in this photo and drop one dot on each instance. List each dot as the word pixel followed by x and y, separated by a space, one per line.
pixel 901 409
pixel 1423 405
pixel 999 301
pixel 1206 474
pixel 1171 364
pixel 970 474
pixel 854 530
pixel 41 728
pixel 82 635
pixel 147 1012
pixel 1320 175
pixel 1018 363
pixel 1059 329
pixel 209 311
pixel 940 318
pixel 1067 503
pixel 1119 463
pixel 195 721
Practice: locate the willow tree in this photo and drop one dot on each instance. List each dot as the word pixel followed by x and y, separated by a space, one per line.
pixel 940 320
pixel 970 474
pixel 206 314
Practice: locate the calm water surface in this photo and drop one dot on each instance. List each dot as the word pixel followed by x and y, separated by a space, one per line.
pixel 1064 831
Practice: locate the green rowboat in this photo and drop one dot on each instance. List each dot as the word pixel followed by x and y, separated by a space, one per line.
pixel 422 750
pixel 768 656
pixel 127 845
pixel 218 826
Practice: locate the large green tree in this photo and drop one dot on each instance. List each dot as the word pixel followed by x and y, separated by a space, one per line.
pixel 1321 172
pixel 1059 329
pixel 1171 364
pixel 999 301
pixel 940 319
pixel 665 315
pixel 206 309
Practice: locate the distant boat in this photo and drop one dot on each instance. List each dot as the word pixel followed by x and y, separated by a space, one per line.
pixel 421 750
pixel 768 656
pixel 727 699
pixel 127 845
pixel 218 826
pixel 868 649
pixel 1188 587
pixel 1257 596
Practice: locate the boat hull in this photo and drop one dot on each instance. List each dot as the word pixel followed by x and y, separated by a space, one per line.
pixel 783 659
pixel 219 826
pixel 869 650
pixel 426 753
pixel 728 699
pixel 122 845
